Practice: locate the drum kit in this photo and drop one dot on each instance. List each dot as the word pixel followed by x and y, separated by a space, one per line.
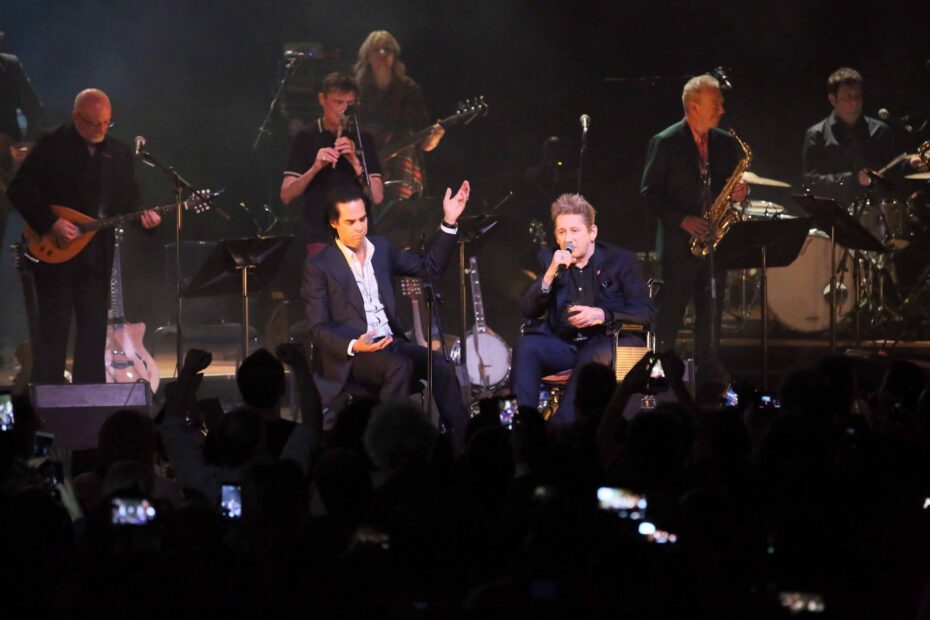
pixel 887 283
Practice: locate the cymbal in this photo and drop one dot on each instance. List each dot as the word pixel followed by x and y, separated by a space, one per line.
pixel 920 176
pixel 754 179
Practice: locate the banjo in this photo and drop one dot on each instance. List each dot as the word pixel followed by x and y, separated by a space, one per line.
pixel 487 356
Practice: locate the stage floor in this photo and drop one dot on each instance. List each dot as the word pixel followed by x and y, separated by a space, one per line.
pixel 741 355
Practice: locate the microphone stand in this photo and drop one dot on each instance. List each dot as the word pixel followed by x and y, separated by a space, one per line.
pixel 353 111
pixel 288 72
pixel 433 300
pixel 180 184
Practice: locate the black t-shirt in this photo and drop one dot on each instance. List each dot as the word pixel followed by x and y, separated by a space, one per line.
pixel 307 144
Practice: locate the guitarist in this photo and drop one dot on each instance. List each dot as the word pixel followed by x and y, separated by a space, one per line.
pixel 392 108
pixel 79 166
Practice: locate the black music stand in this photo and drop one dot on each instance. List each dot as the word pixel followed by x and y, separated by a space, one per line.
pixel 763 244
pixel 228 267
pixel 834 220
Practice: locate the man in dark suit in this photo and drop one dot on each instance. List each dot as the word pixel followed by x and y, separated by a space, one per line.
pixel 586 286
pixel 687 165
pixel 348 288
pixel 78 166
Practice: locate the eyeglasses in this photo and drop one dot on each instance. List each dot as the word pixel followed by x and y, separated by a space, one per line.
pixel 98 124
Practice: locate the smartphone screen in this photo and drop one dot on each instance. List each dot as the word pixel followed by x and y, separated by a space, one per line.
pixel 131 511
pixel 730 399
pixel 624 503
pixel 508 409
pixel 657 381
pixel 6 412
pixel 768 401
pixel 43 443
pixel 231 501
pixel 802 602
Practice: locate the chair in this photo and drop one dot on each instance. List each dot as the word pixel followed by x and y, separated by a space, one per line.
pixel 625 357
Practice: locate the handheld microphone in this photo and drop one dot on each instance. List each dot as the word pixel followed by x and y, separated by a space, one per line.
pixel 585 121
pixel 140 143
pixel 897 121
pixel 569 247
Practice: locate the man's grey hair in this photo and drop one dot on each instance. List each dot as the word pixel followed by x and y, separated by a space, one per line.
pixel 693 88
pixel 399 435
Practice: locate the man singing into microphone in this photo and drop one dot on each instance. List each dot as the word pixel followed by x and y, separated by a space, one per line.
pixel 324 156
pixel 841 150
pixel 585 287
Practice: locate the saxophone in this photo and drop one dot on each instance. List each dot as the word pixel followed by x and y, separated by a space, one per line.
pixel 721 214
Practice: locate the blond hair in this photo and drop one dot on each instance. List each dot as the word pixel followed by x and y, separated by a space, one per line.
pixel 376 40
pixel 574 204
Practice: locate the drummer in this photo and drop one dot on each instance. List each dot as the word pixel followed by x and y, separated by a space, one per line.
pixel 843 151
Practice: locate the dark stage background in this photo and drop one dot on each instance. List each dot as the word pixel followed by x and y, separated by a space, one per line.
pixel 196 78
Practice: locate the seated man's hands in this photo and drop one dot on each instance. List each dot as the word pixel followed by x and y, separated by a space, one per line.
pixel 365 343
pixel 585 316
pixel 695 226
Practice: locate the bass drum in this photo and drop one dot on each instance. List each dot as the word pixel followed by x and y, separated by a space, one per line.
pixel 487 358
pixel 799 294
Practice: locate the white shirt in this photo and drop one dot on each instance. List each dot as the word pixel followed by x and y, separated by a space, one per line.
pixel 367 284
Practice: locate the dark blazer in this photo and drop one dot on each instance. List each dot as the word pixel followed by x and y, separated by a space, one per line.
pixel 672 180
pixel 59 171
pixel 334 306
pixel 619 290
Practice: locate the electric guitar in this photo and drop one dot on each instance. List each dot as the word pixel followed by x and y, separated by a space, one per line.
pixel 48 250
pixel 413 290
pixel 125 356
pixel 465 113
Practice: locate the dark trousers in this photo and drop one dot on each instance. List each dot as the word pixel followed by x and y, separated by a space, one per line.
pixel 686 277
pixel 538 355
pixel 63 291
pixel 389 372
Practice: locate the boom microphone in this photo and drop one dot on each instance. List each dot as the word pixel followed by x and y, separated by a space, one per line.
pixel 585 121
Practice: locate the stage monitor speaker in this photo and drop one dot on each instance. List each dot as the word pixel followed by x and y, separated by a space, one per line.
pixel 75 413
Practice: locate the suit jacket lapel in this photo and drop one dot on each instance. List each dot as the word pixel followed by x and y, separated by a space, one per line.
pixel 381 264
pixel 341 271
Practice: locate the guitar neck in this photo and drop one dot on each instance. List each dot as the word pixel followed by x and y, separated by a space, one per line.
pixel 476 294
pixel 411 288
pixel 116 284
pixel 465 114
pixel 121 220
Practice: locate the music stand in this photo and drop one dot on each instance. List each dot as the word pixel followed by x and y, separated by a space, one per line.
pixel 831 218
pixel 763 244
pixel 229 266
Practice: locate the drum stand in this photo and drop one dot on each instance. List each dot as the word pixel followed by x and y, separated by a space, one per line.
pixel 843 230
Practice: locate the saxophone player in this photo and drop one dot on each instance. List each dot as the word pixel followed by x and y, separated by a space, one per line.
pixel 687 165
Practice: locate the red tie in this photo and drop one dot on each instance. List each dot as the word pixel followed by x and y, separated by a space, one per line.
pixel 702 151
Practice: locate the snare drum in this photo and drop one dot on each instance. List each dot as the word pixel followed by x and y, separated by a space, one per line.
pixel 799 294
pixel 762 210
